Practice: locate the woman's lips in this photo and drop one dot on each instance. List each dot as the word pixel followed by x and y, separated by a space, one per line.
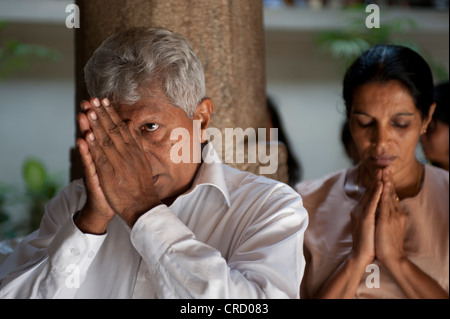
pixel 382 161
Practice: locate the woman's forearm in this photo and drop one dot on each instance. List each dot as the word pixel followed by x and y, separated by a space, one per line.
pixel 414 282
pixel 345 280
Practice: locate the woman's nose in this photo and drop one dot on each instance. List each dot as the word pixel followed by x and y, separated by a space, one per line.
pixel 381 137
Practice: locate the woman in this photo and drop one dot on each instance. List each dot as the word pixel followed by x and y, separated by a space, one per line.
pixel 380 229
pixel 435 142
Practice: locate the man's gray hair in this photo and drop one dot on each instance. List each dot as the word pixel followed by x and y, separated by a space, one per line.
pixel 128 61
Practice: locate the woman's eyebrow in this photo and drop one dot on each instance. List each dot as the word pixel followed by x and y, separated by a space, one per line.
pixel 360 113
pixel 404 114
pixel 396 114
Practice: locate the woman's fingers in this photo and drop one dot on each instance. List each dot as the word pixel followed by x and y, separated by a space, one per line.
pixel 371 197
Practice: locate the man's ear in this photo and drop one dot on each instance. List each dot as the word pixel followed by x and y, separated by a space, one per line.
pixel 203 113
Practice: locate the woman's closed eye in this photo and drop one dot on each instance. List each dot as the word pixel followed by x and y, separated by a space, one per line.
pixel 365 123
pixel 401 124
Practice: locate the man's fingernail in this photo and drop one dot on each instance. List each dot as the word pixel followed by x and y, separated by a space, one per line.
pixel 96 102
pixel 91 137
pixel 93 116
pixel 105 102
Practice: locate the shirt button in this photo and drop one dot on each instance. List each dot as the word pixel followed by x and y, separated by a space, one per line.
pixel 147 275
pixel 74 251
pixel 91 254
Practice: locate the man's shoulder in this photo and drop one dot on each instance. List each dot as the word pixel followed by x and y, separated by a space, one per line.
pixel 250 183
pixel 263 198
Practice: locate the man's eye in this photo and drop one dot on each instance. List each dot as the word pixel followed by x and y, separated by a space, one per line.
pixel 149 127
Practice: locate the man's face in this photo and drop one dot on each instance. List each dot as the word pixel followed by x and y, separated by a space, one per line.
pixel 154 118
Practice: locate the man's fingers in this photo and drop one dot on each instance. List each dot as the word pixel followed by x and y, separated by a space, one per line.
pixel 88 163
pixel 116 123
pixel 83 124
pixel 85 106
pixel 99 157
pixel 134 133
pixel 100 141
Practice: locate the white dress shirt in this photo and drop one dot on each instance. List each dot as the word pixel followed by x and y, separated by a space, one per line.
pixel 232 235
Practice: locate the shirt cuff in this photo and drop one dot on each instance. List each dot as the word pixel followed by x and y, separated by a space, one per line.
pixel 73 247
pixel 150 235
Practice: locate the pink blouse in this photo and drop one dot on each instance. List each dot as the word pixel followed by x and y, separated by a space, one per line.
pixel 328 239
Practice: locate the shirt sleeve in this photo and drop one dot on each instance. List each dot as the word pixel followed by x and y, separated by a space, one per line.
pixel 268 262
pixel 51 262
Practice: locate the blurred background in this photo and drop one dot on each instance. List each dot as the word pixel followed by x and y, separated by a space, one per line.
pixel 308 46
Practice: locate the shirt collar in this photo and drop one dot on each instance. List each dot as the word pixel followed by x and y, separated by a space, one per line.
pixel 210 173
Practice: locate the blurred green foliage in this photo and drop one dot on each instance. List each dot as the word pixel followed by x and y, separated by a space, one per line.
pixel 40 186
pixel 18 56
pixel 347 44
pixel 4 193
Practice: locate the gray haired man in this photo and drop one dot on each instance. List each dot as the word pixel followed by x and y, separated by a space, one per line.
pixel 141 226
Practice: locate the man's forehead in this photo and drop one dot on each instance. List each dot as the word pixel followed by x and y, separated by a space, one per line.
pixel 153 105
pixel 149 106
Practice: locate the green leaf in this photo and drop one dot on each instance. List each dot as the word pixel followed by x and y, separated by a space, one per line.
pixel 34 175
pixel 18 56
pixel 3 217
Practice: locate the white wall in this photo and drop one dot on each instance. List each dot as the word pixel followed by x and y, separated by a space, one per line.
pixel 306 88
pixel 37 119
pixel 37 105
pixel 37 111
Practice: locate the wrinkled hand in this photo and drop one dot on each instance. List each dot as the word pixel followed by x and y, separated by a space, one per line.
pixel 123 170
pixel 96 214
pixel 363 222
pixel 391 225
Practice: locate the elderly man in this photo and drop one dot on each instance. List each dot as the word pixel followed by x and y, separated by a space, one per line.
pixel 140 225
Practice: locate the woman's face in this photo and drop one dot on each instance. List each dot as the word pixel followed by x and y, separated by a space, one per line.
pixel 386 126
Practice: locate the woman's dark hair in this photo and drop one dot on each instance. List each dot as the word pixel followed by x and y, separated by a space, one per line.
pixel 384 63
pixel 442 104
pixel 294 166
